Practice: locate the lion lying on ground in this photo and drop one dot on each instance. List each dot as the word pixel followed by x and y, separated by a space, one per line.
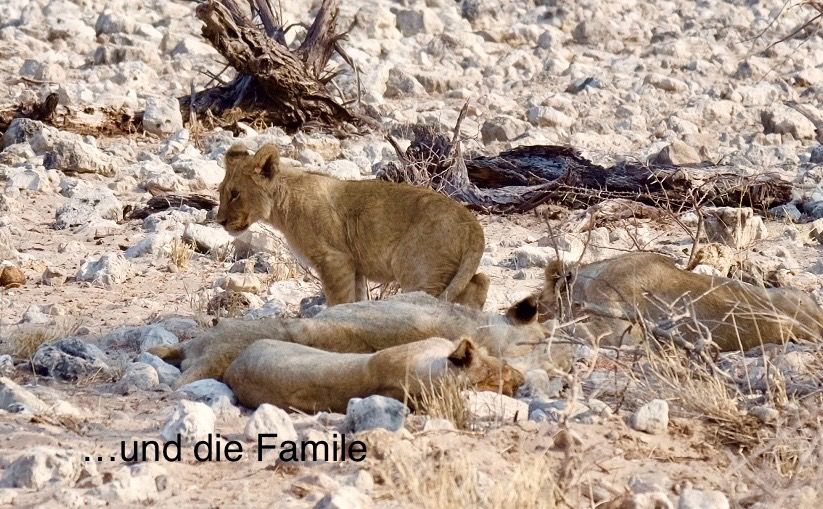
pixel 614 293
pixel 366 327
pixel 289 375
pixel 354 231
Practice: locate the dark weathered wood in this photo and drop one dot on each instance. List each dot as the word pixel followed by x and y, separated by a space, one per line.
pixel 522 178
pixel 165 201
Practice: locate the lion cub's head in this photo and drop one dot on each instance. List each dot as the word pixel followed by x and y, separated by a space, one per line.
pixel 246 190
pixel 484 372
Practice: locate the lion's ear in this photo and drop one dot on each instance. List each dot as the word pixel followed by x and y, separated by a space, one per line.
pixel 464 353
pixel 267 161
pixel 524 312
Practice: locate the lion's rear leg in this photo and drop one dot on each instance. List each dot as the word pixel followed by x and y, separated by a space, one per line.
pixel 474 295
pixel 199 371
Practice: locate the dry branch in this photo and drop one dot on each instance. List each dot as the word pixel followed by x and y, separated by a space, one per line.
pixel 522 178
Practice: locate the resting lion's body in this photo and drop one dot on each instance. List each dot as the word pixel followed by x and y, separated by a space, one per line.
pixel 289 375
pixel 737 314
pixel 354 231
pixel 364 327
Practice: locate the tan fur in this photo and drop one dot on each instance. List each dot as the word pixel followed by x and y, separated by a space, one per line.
pixel 737 314
pixel 365 327
pixel 311 380
pixel 354 231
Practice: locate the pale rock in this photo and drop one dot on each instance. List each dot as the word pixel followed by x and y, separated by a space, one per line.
pixel 155 335
pixel 70 153
pixel 411 22
pixel 208 391
pixel 191 420
pixel 487 406
pixel 111 23
pixel 162 116
pixel 788 212
pixel 653 417
pixel 110 269
pixel 735 227
pixel 140 484
pixel 765 414
pixel 207 239
pixel 502 128
pixel 14 398
pixel 327 146
pixel 784 120
pixel 53 276
pixel 375 412
pixel 547 116
pixel 345 497
pixel 42 467
pixel 166 373
pixel 401 84
pixel 255 240
pixel 26 179
pixel 533 256
pixel 6 367
pixel 69 359
pixel 678 153
pixel 138 377
pixel 270 419
pixel 206 172
pixel 666 83
pixel 702 499
pixel 271 308
pixel 438 425
pixel 342 169
pixel 249 283
pixel 152 244
pixel 86 202
pixel 377 23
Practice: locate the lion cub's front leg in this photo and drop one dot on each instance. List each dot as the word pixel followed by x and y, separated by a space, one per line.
pixel 338 276
pixel 361 287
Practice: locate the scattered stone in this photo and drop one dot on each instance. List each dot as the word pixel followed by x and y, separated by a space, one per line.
pixel 191 420
pixel 342 169
pixel 138 377
pixel 538 385
pixel 162 116
pixel 785 120
pixel 816 155
pixel 412 22
pixel 546 116
pixel 155 335
pixel 502 128
pixel 653 417
pixel 11 277
pixel 766 414
pixel 487 406
pixel 270 419
pixel 375 412
pixel 249 283
pixel 255 240
pixel 208 391
pixel 86 204
pixel 345 497
pixel 69 359
pixel 788 211
pixel 71 154
pixel 700 499
pixel 438 425
pixel 6 365
pixel 533 256
pixel 14 398
pixel 41 467
pixel 108 270
pixel 677 153
pixel 166 373
pixel 53 277
pixel 735 227
pixel 140 484
pixel 666 83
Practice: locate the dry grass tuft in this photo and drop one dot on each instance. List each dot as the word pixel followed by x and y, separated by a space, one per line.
pixel 180 253
pixel 21 341
pixel 456 482
pixel 442 399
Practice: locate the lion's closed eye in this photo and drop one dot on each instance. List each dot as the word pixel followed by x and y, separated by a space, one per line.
pixel 234 195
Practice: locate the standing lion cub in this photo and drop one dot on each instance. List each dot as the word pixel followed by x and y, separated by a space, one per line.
pixel 354 231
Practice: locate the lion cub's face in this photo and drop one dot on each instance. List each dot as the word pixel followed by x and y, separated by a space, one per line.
pixel 484 372
pixel 246 190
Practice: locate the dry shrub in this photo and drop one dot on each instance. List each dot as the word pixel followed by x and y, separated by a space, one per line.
pixel 454 481
pixel 180 253
pixel 442 399
pixel 21 341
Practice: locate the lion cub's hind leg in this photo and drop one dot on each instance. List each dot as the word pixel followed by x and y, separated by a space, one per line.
pixel 474 295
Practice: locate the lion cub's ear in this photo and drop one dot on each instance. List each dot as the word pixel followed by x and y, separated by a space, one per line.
pixel 524 312
pixel 267 161
pixel 464 353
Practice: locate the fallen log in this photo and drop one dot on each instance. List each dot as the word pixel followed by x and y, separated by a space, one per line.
pixel 165 201
pixel 522 178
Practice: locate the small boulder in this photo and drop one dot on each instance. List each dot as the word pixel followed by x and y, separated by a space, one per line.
pixel 41 467
pixel 14 398
pixel 700 499
pixel 138 377
pixel 191 420
pixel 785 120
pixel 69 359
pixel 166 373
pixel 11 277
pixel 735 227
pixel 677 153
pixel 652 418
pixel 108 270
pixel 270 419
pixel 375 412
pixel 207 391
pixel 162 116
pixel 487 406
pixel 155 335
pixel 345 497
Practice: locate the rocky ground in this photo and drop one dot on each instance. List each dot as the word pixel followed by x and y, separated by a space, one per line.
pixel 88 290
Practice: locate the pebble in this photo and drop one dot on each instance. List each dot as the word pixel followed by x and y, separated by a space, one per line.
pixel 208 391
pixel 107 270
pixel 375 412
pixel 138 377
pixel 162 116
pixel 166 373
pixel 653 417
pixel 699 499
pixel 487 406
